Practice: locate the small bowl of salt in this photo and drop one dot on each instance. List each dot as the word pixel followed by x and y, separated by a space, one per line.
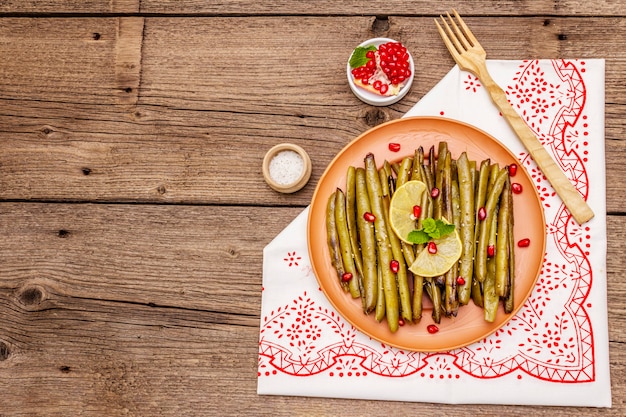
pixel 286 168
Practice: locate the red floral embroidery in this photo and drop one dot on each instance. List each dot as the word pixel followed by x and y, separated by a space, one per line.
pixel 292 259
pixel 471 83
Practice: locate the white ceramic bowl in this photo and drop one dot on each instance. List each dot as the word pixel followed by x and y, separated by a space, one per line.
pixel 377 99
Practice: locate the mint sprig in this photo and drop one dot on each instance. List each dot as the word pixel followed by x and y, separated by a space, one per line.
pixel 358 58
pixel 431 229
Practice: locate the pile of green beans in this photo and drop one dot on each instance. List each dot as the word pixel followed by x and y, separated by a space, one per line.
pixel 476 198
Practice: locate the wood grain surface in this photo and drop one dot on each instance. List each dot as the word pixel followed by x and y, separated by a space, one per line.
pixel 133 212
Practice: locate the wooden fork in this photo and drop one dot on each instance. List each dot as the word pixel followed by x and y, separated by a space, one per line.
pixel 470 56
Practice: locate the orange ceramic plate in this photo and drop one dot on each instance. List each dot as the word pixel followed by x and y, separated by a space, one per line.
pixel 469 325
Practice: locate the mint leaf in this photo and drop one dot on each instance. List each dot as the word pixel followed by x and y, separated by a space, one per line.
pixel 358 58
pixel 429 225
pixel 418 237
pixel 444 228
pixel 431 229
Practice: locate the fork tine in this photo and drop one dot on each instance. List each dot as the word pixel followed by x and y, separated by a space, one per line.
pixel 466 30
pixel 451 35
pixel 451 47
pixel 459 34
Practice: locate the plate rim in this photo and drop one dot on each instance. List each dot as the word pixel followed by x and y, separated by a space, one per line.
pixel 315 197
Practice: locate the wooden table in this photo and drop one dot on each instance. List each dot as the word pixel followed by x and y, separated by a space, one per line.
pixel 133 212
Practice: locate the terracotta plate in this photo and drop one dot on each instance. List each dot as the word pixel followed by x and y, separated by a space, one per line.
pixel 469 325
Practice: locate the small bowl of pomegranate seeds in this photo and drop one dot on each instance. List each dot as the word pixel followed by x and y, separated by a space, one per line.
pixel 380 71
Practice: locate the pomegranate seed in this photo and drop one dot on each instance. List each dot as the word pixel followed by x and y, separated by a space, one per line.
pixel 400 322
pixel 394 147
pixel 370 54
pixel 417 210
pixel 482 214
pixel 377 84
pixel 524 243
pixel 432 328
pixel 394 266
pixel 512 170
pixel 516 187
pixel 491 251
pixel 460 280
pixel 384 88
pixel 347 276
pixel 369 217
pixel 435 192
pixel 432 247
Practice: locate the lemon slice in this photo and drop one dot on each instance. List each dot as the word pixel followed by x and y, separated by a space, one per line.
pixel 429 264
pixel 401 216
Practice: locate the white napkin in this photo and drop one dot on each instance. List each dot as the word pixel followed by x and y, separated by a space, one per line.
pixel 554 352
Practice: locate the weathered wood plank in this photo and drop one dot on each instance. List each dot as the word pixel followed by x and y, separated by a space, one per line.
pixel 129 39
pixel 320 7
pixel 138 310
pixel 389 7
pixel 68 6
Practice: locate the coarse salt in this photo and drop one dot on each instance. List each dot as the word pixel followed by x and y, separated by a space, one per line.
pixel 286 167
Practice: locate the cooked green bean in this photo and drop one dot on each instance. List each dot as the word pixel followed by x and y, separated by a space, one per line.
pixel 432 164
pixel 344 243
pixel 404 171
pixel 447 187
pixel 417 297
pixel 383 178
pixel 333 240
pixel 385 255
pixel 480 197
pixel 502 242
pixel 490 294
pixel 434 293
pixel 451 302
pixel 367 242
pixel 380 292
pixel 509 300
pixel 351 217
pixel 477 293
pixel 395 167
pixel 466 229
pixel 402 279
pixel 418 159
pixel 439 201
pixel 427 200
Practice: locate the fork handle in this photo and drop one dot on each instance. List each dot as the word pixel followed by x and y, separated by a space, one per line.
pixel 574 202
